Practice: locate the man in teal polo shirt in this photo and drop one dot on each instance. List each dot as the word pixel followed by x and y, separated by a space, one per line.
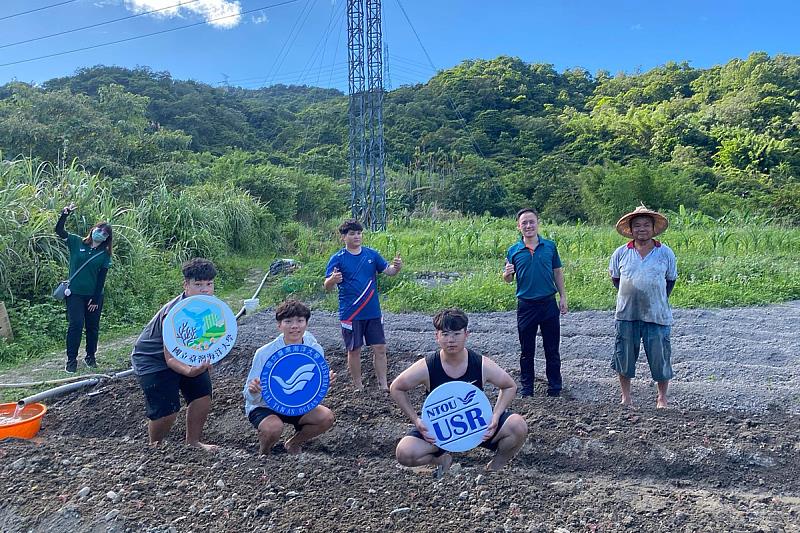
pixel 537 267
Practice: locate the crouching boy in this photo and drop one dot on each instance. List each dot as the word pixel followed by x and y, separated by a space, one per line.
pixel 455 362
pixel 162 377
pixel 292 318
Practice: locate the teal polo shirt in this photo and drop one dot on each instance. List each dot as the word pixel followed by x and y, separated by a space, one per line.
pixel 534 268
pixel 85 283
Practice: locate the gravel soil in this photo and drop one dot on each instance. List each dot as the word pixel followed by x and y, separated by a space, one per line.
pixel 724 457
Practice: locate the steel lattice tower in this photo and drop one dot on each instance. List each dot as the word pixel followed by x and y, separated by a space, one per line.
pixel 367 174
pixel 356 115
pixel 387 79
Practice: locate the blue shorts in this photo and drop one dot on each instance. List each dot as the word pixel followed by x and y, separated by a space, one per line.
pixel 363 332
pixel 657 348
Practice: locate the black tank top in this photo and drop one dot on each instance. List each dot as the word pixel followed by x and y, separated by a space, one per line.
pixel 438 376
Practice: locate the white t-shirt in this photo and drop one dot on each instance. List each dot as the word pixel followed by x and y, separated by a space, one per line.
pixel 251 401
pixel 642 291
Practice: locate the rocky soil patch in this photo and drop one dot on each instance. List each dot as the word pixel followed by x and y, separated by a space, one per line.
pixel 725 457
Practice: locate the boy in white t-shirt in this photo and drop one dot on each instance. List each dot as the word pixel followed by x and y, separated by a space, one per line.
pixel 292 317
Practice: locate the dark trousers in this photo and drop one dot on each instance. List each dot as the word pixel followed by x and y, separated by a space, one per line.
pixel 79 316
pixel 533 315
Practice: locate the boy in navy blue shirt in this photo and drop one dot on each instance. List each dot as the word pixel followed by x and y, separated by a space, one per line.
pixel 354 269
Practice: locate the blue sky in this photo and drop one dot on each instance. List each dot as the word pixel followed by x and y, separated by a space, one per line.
pixel 303 41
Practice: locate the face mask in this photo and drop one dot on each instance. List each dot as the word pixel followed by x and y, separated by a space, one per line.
pixel 98 236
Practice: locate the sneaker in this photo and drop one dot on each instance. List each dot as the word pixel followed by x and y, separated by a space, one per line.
pixel 71 367
pixel 526 391
pixel 90 361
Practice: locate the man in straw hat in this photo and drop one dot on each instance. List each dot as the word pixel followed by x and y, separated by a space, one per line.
pixel 644 271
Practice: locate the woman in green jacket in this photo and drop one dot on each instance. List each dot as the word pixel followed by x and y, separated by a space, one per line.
pixel 85 294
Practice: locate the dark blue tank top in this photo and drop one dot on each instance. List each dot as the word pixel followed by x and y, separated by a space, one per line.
pixel 438 376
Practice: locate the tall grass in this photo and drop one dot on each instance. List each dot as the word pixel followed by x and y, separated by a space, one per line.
pixel 733 261
pixel 151 238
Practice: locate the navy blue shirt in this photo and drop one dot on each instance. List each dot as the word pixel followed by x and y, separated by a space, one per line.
pixel 534 268
pixel 358 291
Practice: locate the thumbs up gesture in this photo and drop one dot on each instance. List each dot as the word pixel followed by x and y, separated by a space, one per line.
pixel 336 275
pixel 397 263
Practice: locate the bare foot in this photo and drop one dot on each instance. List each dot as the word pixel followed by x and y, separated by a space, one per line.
pixel 498 463
pixel 661 403
pixel 264 450
pixel 443 466
pixel 210 448
pixel 292 448
pixel 626 401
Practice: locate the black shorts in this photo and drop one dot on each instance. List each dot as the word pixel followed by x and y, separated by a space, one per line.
pixel 161 391
pixel 260 413
pixel 363 332
pixel 488 444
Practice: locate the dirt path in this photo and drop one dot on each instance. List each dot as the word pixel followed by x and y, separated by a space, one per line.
pixel 726 457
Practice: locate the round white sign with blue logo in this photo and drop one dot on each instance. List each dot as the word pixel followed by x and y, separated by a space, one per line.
pixel 198 329
pixel 295 379
pixel 457 415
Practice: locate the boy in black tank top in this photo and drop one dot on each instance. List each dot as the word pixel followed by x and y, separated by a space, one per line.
pixel 454 362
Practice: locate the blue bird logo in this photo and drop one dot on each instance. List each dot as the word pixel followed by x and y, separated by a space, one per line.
pixel 468 398
pixel 298 380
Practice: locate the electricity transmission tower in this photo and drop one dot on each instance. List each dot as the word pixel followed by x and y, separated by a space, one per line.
pixel 387 79
pixel 367 174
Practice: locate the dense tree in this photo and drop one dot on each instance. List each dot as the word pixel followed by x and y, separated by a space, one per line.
pixel 485 135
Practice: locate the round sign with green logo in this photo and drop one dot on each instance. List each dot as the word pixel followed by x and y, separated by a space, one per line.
pixel 199 329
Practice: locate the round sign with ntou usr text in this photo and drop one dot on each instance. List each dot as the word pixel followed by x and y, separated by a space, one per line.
pixel 457 415
pixel 295 379
pixel 198 329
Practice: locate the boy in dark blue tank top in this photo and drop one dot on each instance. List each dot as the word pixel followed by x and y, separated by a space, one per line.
pixel 354 271
pixel 454 362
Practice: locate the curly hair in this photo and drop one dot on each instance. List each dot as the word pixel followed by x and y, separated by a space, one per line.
pixel 350 224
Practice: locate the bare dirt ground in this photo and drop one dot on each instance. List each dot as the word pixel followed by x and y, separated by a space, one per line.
pixel 725 457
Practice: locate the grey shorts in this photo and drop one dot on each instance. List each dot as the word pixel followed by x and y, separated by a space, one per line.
pixel 363 332
pixel 655 338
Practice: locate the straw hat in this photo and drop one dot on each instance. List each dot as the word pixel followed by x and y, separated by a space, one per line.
pixel 624 223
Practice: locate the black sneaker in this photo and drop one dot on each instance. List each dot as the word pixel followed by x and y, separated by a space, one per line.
pixel 71 367
pixel 526 391
pixel 90 361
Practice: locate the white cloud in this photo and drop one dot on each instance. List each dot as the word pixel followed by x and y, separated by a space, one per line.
pixel 260 18
pixel 637 27
pixel 208 9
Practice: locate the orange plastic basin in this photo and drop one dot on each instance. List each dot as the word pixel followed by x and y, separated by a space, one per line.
pixel 30 420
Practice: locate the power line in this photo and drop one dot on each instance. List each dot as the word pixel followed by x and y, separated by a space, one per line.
pixel 474 143
pixel 340 65
pixel 418 72
pixel 90 26
pixel 292 37
pixel 287 2
pixel 37 9
pixel 450 100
